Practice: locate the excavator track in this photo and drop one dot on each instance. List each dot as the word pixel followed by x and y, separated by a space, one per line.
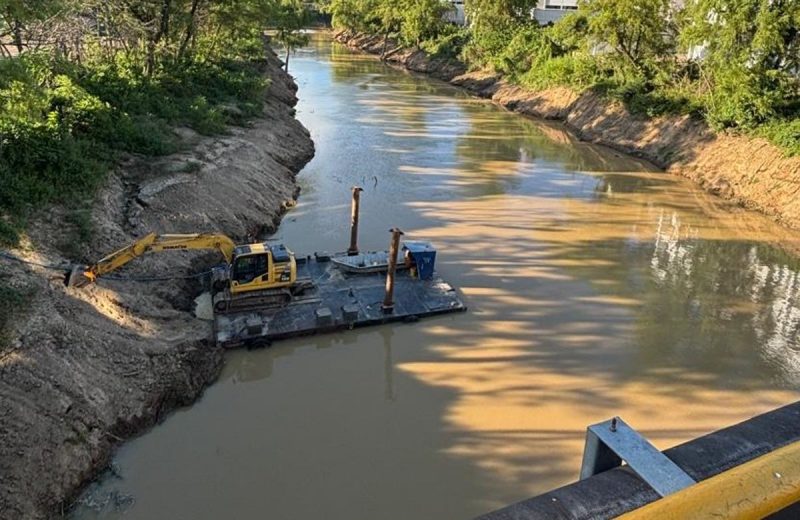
pixel 225 302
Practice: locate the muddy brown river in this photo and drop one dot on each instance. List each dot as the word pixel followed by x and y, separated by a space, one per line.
pixel 597 287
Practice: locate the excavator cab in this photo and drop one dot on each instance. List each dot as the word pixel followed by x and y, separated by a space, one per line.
pixel 249 267
pixel 261 266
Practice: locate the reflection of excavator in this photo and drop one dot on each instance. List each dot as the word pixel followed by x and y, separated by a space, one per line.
pixel 258 275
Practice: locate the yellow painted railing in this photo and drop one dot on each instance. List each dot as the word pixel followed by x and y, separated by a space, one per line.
pixel 752 490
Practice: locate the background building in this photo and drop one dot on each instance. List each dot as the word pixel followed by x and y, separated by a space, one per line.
pixel 545 12
pixel 458 15
pixel 550 11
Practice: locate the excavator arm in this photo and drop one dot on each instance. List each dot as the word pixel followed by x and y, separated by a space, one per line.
pixel 85 275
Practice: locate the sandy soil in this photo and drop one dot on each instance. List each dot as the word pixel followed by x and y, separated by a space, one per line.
pixel 750 171
pixel 86 369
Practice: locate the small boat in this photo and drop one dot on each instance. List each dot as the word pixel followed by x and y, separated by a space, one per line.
pixel 365 263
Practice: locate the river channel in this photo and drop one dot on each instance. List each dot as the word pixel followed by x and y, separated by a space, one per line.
pixel 596 285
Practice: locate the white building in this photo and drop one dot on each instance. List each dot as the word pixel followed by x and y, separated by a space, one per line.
pixel 550 11
pixel 546 11
pixel 458 15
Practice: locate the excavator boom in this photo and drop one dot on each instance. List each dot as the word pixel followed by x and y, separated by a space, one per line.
pixel 82 276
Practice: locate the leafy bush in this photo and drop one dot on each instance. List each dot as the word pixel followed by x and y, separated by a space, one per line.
pixel 570 33
pixel 352 14
pixel 143 134
pixel 785 133
pixel 8 232
pixel 44 164
pixel 421 20
pixel 186 94
pixel 488 41
pixel 527 46
pixel 62 123
pixel 652 100
pixel 740 98
pixel 574 70
pixel 449 44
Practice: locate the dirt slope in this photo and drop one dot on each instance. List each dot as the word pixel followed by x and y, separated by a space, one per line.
pixel 750 171
pixel 86 369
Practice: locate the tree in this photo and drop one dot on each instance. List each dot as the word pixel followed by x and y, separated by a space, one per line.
pixel 640 31
pixel 191 28
pixel 16 15
pixel 764 34
pixel 422 19
pixel 482 10
pixel 291 17
pixel 350 14
pixel 494 23
pixel 752 53
pixel 389 18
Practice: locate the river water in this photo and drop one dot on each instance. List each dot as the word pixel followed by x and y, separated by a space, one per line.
pixel 596 285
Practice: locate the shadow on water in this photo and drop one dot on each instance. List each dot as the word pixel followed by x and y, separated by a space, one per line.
pixel 596 286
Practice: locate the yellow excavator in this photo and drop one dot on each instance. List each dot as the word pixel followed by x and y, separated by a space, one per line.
pixel 260 275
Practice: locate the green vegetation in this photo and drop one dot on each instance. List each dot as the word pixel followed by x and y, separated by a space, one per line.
pixel 414 22
pixel 734 63
pixel 291 18
pixel 83 80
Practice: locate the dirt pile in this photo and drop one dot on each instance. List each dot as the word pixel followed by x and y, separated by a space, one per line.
pixel 85 369
pixel 750 171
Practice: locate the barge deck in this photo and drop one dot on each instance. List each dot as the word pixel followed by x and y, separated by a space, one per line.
pixel 338 300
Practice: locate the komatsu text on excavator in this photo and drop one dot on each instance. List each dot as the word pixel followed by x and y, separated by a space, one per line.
pixel 260 275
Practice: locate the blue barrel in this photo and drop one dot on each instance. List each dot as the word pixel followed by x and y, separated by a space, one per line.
pixel 423 257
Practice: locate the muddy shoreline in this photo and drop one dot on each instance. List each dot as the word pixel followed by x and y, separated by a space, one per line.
pixel 749 171
pixel 87 369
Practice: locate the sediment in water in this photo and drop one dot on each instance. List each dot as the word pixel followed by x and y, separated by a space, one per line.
pixel 86 369
pixel 750 171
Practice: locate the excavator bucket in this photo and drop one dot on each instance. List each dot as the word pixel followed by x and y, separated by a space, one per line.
pixel 78 277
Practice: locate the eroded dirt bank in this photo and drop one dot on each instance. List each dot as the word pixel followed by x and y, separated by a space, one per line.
pixel 750 171
pixel 85 369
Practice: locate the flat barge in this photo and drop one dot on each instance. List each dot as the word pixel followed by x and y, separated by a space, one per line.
pixel 340 299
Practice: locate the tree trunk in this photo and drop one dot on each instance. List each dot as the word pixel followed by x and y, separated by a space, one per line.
pixel 189 36
pixel 288 53
pixel 163 31
pixel 151 57
pixel 215 36
pixel 17 35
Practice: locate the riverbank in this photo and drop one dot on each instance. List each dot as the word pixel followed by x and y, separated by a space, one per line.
pixel 84 370
pixel 749 171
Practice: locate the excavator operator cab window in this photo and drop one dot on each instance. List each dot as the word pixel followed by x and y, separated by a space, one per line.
pixel 248 268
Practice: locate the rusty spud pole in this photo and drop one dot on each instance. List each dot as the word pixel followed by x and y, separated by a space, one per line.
pixel 353 249
pixel 388 300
